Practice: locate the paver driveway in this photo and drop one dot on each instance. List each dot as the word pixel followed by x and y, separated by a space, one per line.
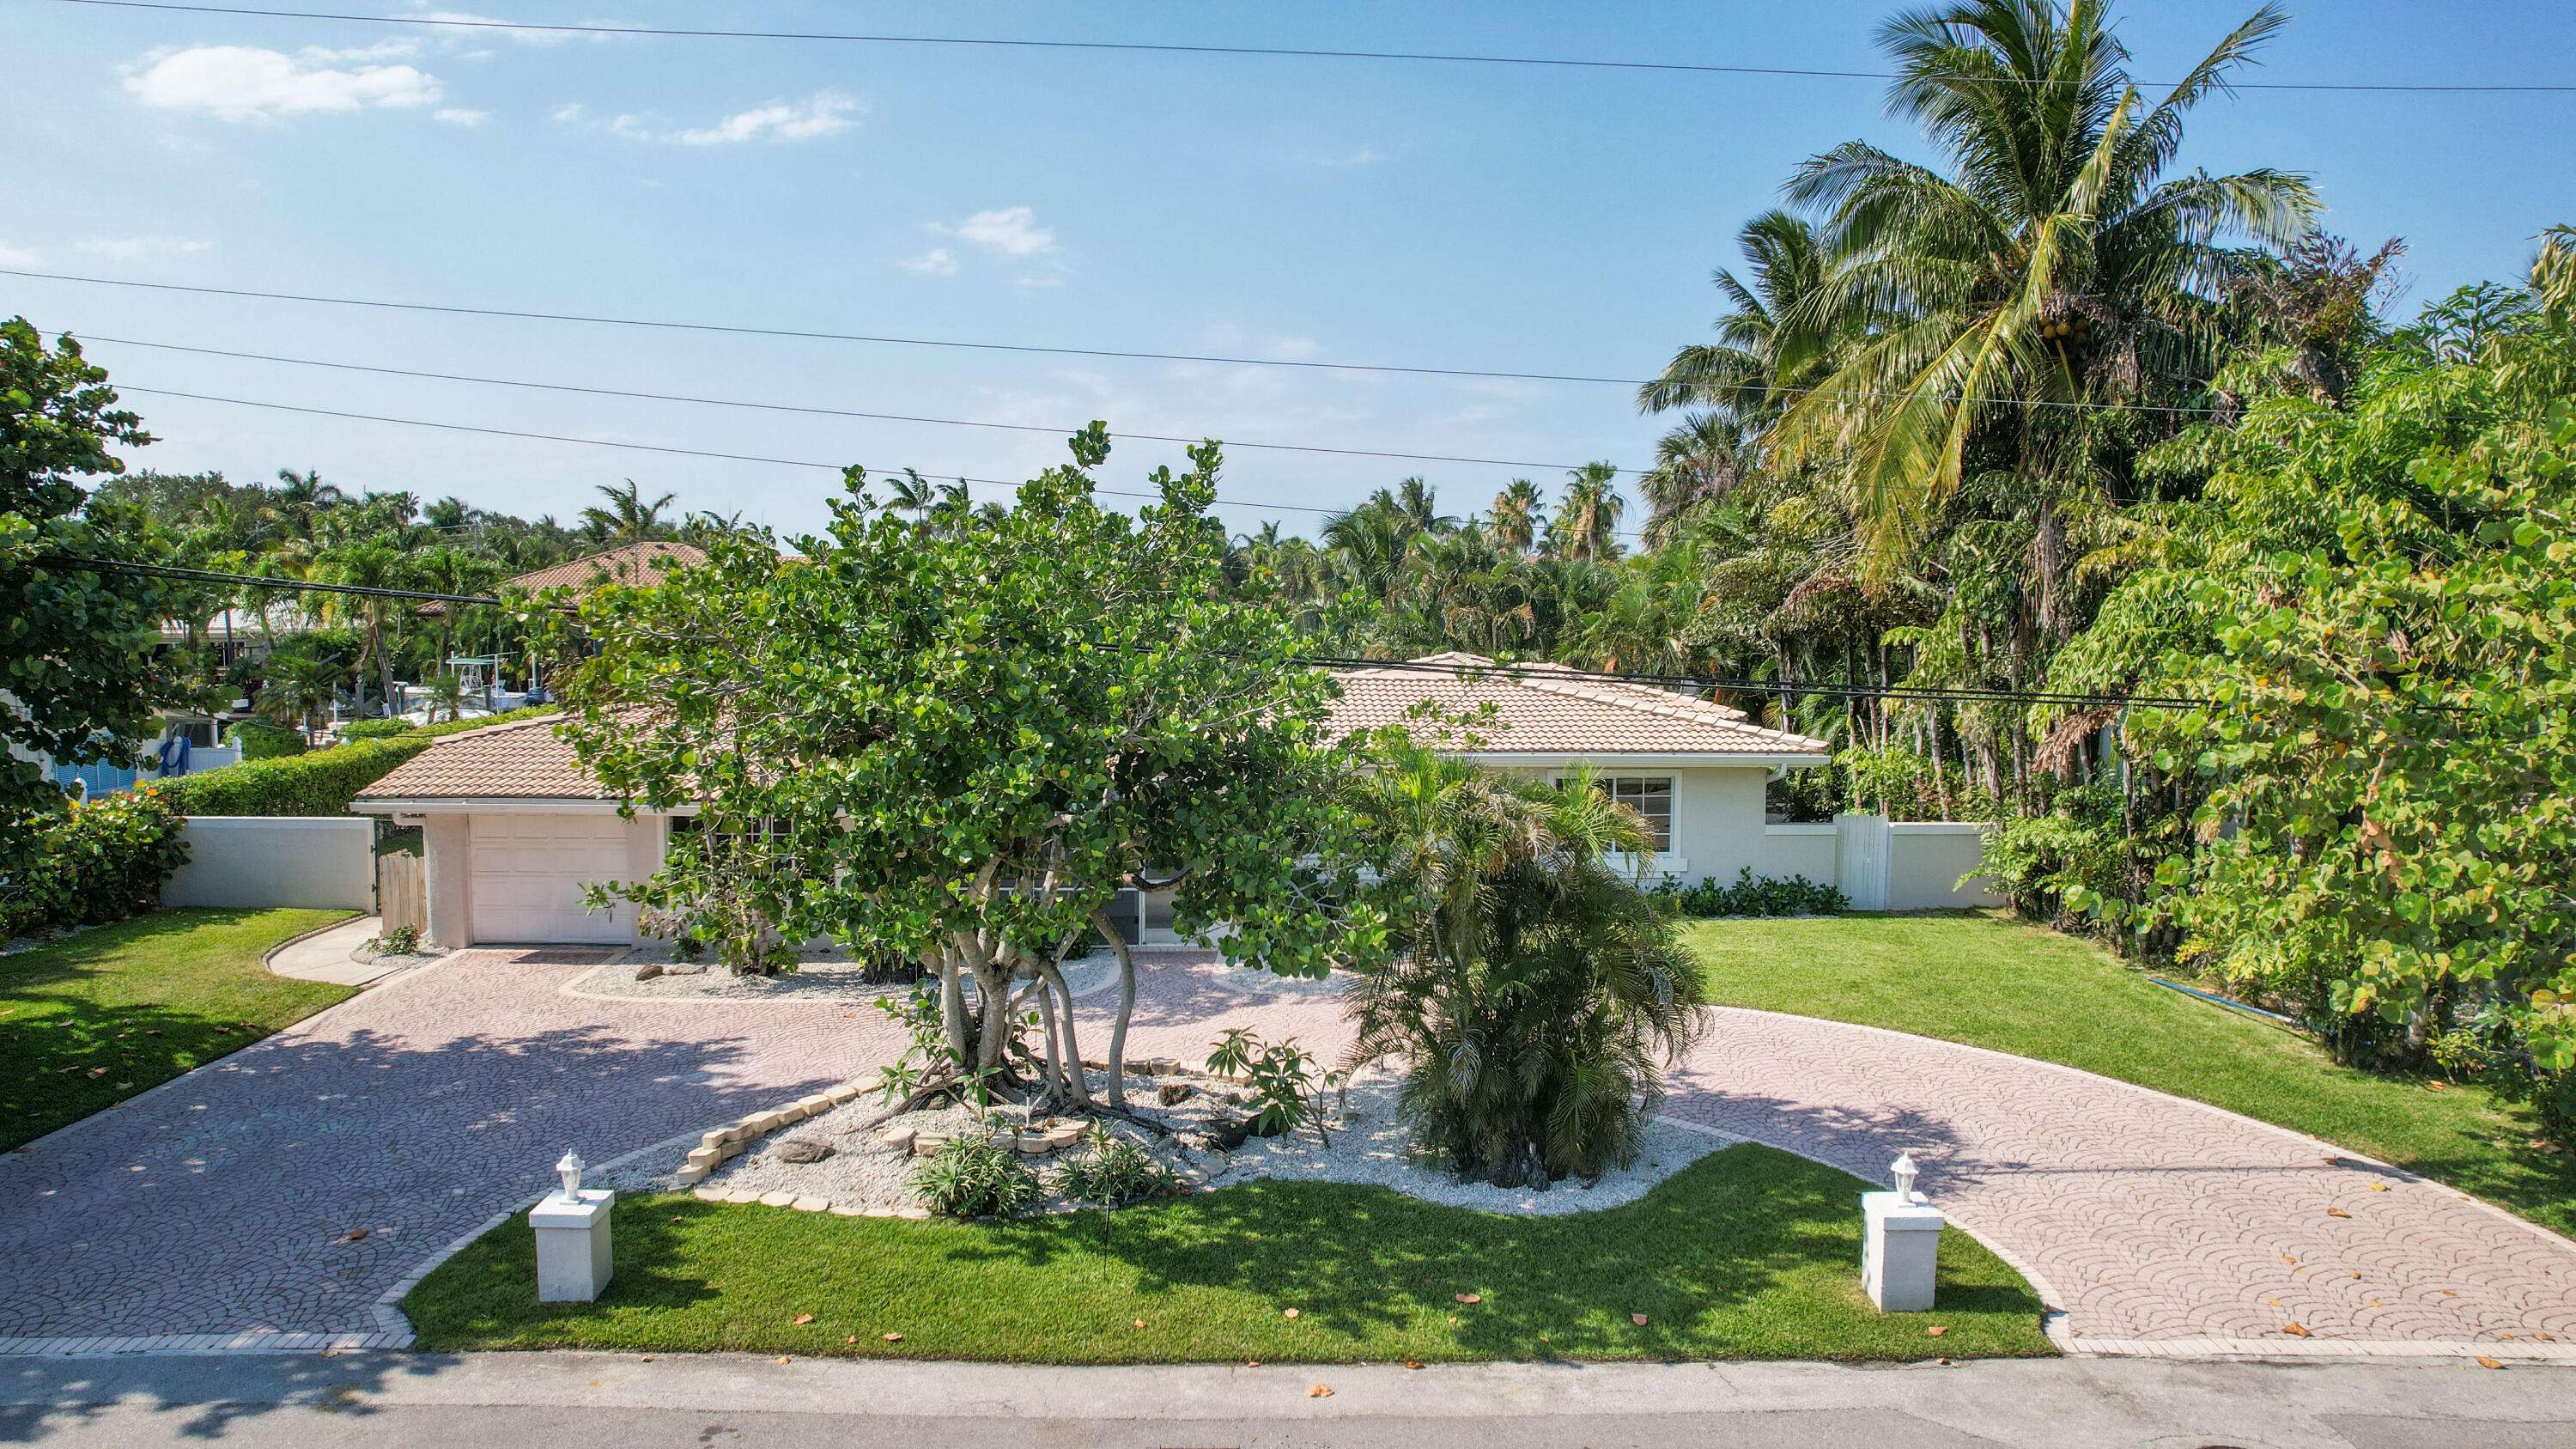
pixel 417 1110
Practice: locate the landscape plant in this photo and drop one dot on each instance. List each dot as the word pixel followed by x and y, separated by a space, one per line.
pixel 1750 895
pixel 958 737
pixel 1282 1076
pixel 973 1175
pixel 1534 995
pixel 91 861
pixel 1113 1172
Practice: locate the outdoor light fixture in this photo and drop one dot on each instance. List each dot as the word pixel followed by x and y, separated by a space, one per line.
pixel 572 1165
pixel 1903 1168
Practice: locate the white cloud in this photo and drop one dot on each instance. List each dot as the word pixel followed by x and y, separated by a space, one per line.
pixel 466 18
pixel 828 112
pixel 935 262
pixel 568 111
pixel 1295 349
pixel 455 117
pixel 18 257
pixel 1008 232
pixel 1364 156
pixel 244 83
pixel 132 248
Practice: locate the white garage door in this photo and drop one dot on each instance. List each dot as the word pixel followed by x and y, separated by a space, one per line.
pixel 529 872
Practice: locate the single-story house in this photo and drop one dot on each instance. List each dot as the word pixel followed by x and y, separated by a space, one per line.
pixel 514 828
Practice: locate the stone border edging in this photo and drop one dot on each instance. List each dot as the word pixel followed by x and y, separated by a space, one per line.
pixel 268 958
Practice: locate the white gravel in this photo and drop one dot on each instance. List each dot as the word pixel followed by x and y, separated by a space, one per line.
pixel 866 1176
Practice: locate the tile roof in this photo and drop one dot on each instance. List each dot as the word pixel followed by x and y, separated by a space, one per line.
pixel 1539 709
pixel 1547 709
pixel 521 760
pixel 630 564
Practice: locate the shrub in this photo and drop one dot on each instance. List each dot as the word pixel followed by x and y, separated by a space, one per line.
pixel 1751 896
pixel 376 729
pixel 975 1177
pixel 322 782
pixel 98 860
pixel 1114 1172
pixel 1535 995
pixel 1282 1076
pixel 260 740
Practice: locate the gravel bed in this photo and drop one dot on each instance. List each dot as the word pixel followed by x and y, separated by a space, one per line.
pixel 865 1175
pixel 821 977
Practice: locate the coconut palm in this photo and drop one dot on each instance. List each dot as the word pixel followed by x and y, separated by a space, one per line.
pixel 1773 342
pixel 301 682
pixel 1586 523
pixel 369 563
pixel 1514 523
pixel 627 518
pixel 2048 263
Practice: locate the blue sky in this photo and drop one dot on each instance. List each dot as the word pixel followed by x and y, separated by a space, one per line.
pixel 1460 216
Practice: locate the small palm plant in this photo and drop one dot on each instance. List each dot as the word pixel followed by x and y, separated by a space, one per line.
pixel 1536 995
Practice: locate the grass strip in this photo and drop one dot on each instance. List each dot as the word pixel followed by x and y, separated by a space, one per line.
pixel 88 1021
pixel 1748 1253
pixel 1989 980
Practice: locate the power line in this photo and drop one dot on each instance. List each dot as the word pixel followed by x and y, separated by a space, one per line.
pixel 632 447
pixel 746 331
pixel 807 336
pixel 1230 443
pixel 1282 52
pixel 1504 669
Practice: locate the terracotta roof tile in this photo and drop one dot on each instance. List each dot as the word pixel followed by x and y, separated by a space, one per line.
pixel 631 564
pixel 521 760
pixel 1547 709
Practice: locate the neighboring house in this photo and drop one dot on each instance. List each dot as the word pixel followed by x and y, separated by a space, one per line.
pixel 515 829
pixel 630 564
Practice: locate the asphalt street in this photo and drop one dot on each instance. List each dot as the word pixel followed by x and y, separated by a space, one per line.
pixel 623 1401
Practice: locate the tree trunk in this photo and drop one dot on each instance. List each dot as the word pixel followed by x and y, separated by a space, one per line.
pixel 1126 1008
pixel 1076 1085
pixel 2048 561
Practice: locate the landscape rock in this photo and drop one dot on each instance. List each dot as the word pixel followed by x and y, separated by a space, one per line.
pixel 1173 1094
pixel 803 1149
pixel 648 970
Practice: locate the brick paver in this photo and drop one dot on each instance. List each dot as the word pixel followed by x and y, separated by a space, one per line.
pixel 225 1202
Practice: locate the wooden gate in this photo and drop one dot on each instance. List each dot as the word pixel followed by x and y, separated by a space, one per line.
pixel 402 890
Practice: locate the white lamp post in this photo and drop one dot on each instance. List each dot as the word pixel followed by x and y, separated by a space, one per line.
pixel 1900 1246
pixel 572 1227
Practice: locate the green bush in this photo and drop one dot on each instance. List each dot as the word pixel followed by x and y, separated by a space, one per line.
pixel 975 1177
pixel 507 716
pixel 261 740
pixel 376 729
pixel 98 860
pixel 322 782
pixel 1114 1172
pixel 1749 896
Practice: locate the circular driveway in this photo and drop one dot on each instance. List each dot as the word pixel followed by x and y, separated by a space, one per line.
pixel 285 1188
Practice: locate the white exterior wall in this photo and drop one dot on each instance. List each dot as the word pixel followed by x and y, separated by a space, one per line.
pixel 1926 861
pixel 448 841
pixel 1918 863
pixel 1791 850
pixel 318 862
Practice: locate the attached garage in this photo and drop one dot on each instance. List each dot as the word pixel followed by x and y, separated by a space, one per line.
pixel 514 833
pixel 529 873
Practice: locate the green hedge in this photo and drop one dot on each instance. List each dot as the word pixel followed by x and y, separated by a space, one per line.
pixel 375 729
pixel 320 783
pixel 99 860
pixel 261 740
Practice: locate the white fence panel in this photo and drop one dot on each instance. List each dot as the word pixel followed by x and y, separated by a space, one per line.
pixel 318 862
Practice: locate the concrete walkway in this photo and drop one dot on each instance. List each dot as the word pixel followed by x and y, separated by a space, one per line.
pixel 231 1200
pixel 623 1401
pixel 325 955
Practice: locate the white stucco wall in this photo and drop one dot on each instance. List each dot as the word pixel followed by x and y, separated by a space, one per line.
pixel 448 840
pixel 317 862
pixel 1794 850
pixel 1925 864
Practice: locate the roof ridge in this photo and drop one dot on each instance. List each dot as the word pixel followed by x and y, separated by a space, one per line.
pixel 1639 697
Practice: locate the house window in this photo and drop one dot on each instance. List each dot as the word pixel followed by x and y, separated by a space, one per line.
pixel 1652 799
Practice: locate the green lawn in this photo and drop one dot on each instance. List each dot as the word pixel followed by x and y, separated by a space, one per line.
pixel 1748 1253
pixel 89 1021
pixel 1992 981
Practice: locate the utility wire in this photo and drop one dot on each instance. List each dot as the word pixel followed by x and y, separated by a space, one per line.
pixel 822 412
pixel 1468 672
pixel 1288 52
pixel 745 331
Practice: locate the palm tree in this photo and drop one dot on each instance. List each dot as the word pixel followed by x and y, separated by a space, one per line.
pixel 1534 994
pixel 300 497
pixel 1586 524
pixel 365 563
pixel 627 518
pixel 1514 525
pixel 300 683
pixel 2047 264
pixel 1699 462
pixel 1772 342
pixel 913 494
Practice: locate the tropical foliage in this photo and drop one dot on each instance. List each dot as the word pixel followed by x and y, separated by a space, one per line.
pixel 1532 994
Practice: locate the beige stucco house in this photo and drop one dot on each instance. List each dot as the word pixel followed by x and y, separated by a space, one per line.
pixel 514 828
